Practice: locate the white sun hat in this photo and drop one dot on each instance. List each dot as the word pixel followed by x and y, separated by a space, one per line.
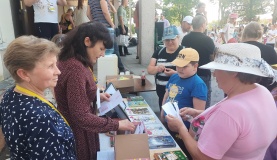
pixel 241 57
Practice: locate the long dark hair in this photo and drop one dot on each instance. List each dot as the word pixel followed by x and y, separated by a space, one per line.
pixel 74 46
pixel 80 4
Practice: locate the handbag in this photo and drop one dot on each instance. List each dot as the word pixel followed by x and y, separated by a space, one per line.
pixel 122 40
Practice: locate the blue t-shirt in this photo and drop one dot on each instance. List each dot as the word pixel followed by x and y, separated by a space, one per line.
pixel 183 90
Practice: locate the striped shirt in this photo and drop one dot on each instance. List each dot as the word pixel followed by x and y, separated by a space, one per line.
pixel 165 59
pixel 96 12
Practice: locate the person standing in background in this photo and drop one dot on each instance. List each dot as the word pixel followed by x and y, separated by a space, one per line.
pixel 45 16
pixel 123 29
pixel 100 12
pixel 227 33
pixel 136 21
pixel 81 13
pixel 201 10
pixel 185 27
pixel 252 34
pixel 66 22
pixel 166 22
pixel 204 45
pixel 271 36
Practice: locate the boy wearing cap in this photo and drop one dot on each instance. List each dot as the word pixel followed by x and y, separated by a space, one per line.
pixel 185 27
pixel 186 87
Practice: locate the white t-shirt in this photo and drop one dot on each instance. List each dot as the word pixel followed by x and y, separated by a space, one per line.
pixel 181 34
pixel 228 31
pixel 271 39
pixel 46 11
pixel 241 127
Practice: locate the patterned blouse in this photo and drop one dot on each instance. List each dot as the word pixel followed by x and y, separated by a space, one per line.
pixel 33 130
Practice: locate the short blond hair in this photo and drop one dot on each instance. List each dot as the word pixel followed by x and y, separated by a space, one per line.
pixel 25 51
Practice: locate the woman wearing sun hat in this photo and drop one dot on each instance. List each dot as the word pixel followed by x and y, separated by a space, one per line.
pixel 243 124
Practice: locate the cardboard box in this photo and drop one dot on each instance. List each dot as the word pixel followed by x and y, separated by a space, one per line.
pixel 131 146
pixel 121 81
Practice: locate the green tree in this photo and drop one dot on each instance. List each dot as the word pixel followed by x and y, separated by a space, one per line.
pixel 274 15
pixel 247 9
pixel 176 10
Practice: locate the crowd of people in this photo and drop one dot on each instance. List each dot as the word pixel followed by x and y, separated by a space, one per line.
pixel 240 126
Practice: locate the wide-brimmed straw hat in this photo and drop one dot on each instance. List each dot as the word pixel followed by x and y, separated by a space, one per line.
pixel 243 58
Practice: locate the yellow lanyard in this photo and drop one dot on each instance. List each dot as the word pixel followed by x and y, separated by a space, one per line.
pixel 94 78
pixel 28 92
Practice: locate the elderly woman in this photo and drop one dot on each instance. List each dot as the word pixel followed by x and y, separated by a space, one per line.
pixel 76 88
pixel 252 33
pixel 160 63
pixel 243 124
pixel 32 126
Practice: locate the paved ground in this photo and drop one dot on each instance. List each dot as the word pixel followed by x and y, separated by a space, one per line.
pixel 131 63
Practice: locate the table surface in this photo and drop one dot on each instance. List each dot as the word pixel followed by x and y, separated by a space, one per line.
pixel 106 151
pixel 138 87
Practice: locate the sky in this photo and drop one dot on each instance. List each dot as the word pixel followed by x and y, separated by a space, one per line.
pixel 212 10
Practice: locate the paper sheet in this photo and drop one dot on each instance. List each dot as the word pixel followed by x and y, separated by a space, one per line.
pixel 109 154
pixel 98 98
pixel 115 99
pixel 171 109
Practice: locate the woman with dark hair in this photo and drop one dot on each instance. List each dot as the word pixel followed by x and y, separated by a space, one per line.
pixel 76 89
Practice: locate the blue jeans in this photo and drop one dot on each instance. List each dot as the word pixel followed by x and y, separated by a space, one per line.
pixel 207 80
pixel 120 65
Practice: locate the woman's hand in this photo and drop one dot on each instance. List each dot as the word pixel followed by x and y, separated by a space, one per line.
pixel 169 71
pixel 160 68
pixel 189 111
pixel 126 125
pixel 104 97
pixel 175 124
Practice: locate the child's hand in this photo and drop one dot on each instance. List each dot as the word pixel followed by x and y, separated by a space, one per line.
pixel 169 71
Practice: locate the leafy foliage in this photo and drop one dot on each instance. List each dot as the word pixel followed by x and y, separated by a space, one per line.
pixel 247 9
pixel 176 10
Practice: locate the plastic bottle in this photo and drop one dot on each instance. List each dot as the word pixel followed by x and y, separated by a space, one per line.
pixel 143 78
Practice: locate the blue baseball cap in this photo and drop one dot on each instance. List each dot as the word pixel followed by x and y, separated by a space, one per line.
pixel 170 32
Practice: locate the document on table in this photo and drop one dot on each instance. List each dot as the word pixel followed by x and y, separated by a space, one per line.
pixel 172 109
pixel 106 106
pixel 109 154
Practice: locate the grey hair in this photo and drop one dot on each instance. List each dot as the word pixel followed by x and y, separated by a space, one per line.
pixel 198 21
pixel 252 30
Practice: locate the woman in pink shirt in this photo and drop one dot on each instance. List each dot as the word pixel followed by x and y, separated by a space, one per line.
pixel 242 125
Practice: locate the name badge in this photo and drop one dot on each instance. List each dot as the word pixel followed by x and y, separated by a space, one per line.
pixel 51 8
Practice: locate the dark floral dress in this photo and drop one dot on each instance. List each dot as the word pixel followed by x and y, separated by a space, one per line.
pixel 33 130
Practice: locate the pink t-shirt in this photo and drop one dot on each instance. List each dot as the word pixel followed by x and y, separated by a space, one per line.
pixel 238 128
